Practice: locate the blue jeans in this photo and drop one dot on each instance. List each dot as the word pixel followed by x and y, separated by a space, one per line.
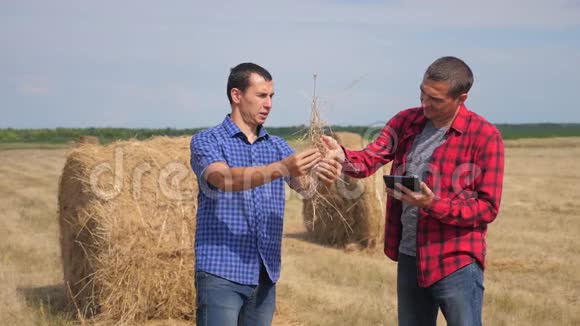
pixel 459 295
pixel 224 303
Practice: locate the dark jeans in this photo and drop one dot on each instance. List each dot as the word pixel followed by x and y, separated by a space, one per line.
pixel 224 303
pixel 459 295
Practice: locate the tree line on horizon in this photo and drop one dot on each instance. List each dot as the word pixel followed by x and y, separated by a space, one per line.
pixel 107 135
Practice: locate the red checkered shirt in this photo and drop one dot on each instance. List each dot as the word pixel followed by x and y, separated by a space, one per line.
pixel 466 175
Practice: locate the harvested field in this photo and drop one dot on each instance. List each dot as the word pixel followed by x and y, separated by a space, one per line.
pixel 533 254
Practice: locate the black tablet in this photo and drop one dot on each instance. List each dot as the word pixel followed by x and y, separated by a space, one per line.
pixel 411 182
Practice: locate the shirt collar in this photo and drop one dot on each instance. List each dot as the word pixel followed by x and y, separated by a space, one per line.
pixel 417 124
pixel 459 124
pixel 233 130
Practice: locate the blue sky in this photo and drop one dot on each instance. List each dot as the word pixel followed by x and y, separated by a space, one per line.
pixel 165 64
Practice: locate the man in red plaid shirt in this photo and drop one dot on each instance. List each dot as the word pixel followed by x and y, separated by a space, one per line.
pixel 438 234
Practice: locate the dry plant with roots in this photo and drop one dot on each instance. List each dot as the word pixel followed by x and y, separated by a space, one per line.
pixel 317 125
pixel 310 182
pixel 349 211
pixel 312 137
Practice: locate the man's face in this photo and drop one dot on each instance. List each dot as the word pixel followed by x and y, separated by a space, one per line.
pixel 256 102
pixel 437 104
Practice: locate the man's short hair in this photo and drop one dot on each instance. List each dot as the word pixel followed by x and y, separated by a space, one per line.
pixel 454 71
pixel 240 77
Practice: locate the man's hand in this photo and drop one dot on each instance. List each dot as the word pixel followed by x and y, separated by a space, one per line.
pixel 301 163
pixel 334 149
pixel 421 199
pixel 328 170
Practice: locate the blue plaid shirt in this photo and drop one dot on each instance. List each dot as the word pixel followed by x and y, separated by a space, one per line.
pixel 237 230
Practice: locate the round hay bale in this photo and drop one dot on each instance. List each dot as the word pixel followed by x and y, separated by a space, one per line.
pixel 88 140
pixel 127 221
pixel 351 210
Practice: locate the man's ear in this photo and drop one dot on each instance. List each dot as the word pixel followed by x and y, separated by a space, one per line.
pixel 462 98
pixel 236 94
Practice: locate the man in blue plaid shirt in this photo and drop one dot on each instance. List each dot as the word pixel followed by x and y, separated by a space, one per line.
pixel 241 171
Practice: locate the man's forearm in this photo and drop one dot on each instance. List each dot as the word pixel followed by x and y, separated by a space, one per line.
pixel 483 206
pixel 464 212
pixel 245 178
